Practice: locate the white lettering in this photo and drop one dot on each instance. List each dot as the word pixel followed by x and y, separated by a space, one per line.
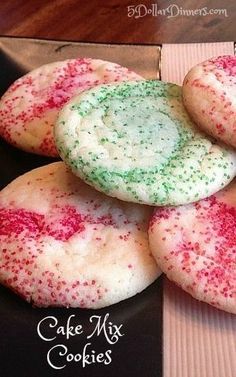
pixel 55 322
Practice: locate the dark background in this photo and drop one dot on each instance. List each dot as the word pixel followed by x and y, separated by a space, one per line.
pixel 138 353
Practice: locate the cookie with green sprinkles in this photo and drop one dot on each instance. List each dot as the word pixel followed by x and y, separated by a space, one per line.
pixel 135 141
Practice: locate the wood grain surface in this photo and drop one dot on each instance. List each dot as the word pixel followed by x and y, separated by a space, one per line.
pixel 168 21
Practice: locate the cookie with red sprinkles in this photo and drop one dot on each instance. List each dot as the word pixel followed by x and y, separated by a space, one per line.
pixel 195 246
pixel 29 108
pixel 64 244
pixel 209 94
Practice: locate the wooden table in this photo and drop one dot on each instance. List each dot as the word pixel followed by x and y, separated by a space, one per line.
pixel 168 21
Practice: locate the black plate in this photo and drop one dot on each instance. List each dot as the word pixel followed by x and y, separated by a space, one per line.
pixel 23 351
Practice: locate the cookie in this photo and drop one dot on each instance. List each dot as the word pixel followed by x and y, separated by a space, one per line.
pixel 64 244
pixel 29 108
pixel 195 246
pixel 136 142
pixel 209 95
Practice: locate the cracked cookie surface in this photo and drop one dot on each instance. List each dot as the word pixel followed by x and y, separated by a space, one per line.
pixel 64 244
pixel 136 142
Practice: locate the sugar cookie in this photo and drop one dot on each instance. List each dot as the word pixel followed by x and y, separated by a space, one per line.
pixel 136 142
pixel 64 244
pixel 209 95
pixel 29 108
pixel 195 245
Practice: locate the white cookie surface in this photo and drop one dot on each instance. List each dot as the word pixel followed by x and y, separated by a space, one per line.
pixel 209 95
pixel 135 141
pixel 195 246
pixel 64 244
pixel 29 108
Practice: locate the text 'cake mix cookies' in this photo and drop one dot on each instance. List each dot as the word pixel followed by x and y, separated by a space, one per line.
pixel 136 142
pixel 29 108
pixel 64 244
pixel 209 94
pixel 195 245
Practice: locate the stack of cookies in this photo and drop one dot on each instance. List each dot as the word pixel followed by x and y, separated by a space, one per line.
pixel 83 232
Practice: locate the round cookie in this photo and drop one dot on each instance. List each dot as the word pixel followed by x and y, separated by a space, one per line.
pixel 195 246
pixel 29 108
pixel 209 95
pixel 136 142
pixel 64 244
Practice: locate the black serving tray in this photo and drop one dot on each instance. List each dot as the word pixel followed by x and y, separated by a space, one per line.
pixel 23 352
